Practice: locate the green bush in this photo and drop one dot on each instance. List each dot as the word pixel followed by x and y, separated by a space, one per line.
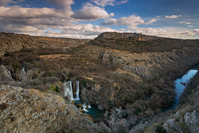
pixel 15 66
pixel 70 75
pixel 55 88
pixel 160 129
pixel 83 82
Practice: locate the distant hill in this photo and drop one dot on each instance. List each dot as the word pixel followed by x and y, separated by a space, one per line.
pixel 133 42
pixel 15 42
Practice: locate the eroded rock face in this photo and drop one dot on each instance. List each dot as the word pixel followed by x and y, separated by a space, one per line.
pixel 23 110
pixel 130 36
pixel 192 121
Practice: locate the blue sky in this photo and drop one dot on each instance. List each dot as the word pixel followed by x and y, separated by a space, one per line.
pixel 89 18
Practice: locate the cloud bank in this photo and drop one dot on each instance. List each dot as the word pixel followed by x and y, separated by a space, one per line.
pixel 93 18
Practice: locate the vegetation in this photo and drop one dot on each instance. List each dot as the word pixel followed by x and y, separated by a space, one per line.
pixel 160 129
pixel 136 75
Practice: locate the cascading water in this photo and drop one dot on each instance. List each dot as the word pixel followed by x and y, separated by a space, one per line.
pixel 93 111
pixel 23 75
pixel 68 90
pixel 77 91
pixel 84 107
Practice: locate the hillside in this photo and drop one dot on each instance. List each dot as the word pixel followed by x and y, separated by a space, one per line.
pixel 130 72
pixel 14 42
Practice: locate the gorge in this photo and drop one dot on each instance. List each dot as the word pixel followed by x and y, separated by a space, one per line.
pixel 125 79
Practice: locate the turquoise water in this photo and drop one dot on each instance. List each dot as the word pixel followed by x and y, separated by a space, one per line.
pixel 180 85
pixel 94 112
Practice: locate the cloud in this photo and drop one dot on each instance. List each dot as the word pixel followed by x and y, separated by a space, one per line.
pixel 19 12
pixel 190 26
pixel 182 22
pixel 91 12
pixel 122 2
pixel 104 3
pixel 61 4
pixel 4 2
pixel 173 16
pixel 151 21
pixel 131 21
pixel 187 23
pixel 64 5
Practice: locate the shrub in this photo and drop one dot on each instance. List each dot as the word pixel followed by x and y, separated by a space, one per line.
pixel 160 129
pixel 83 82
pixel 15 66
pixel 70 75
pixel 55 88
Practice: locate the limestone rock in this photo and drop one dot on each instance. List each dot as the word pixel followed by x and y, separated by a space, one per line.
pixel 192 121
pixel 32 111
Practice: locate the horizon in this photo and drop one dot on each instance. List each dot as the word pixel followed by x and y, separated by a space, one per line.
pixel 87 19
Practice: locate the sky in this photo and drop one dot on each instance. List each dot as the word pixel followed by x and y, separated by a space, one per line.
pixel 86 19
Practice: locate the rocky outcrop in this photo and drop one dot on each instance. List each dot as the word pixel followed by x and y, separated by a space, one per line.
pixel 129 36
pixel 23 110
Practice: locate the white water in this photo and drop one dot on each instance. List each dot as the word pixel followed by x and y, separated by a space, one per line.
pixel 68 90
pixel 77 91
pixel 89 106
pixel 23 75
pixel 84 107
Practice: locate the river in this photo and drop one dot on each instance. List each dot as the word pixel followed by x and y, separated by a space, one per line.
pixel 180 85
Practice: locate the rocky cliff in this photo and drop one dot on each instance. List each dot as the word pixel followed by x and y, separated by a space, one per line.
pixel 31 111
pixel 129 36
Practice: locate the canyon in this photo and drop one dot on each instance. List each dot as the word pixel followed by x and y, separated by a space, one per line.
pixel 130 77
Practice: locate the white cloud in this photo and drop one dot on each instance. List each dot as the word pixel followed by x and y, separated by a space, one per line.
pixel 182 22
pixel 91 12
pixel 173 16
pixel 132 21
pixel 19 12
pixel 104 3
pixel 152 21
pixel 64 5
pixel 122 2
pixel 187 23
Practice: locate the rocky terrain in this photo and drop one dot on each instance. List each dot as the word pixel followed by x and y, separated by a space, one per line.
pixel 14 42
pixel 31 111
pixel 185 118
pixel 129 76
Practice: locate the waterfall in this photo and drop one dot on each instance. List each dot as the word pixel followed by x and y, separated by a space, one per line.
pixel 89 106
pixel 68 90
pixel 77 91
pixel 84 107
pixel 9 74
pixel 23 75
